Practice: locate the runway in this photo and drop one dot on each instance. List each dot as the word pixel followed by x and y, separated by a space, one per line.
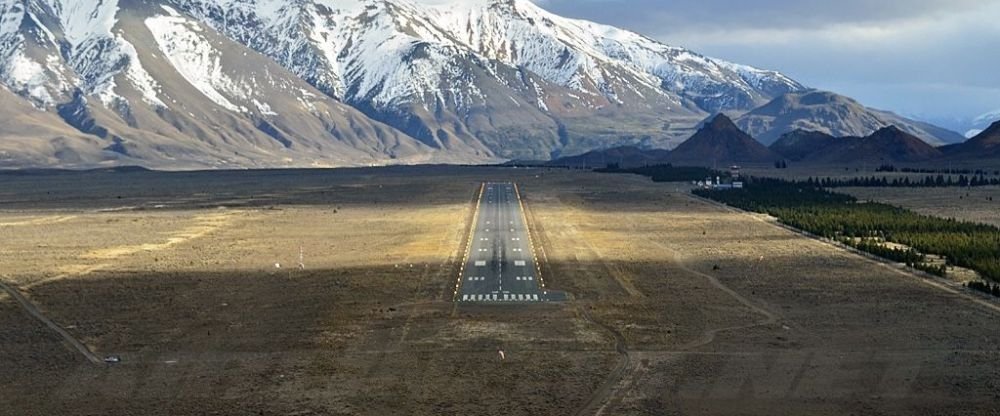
pixel 500 263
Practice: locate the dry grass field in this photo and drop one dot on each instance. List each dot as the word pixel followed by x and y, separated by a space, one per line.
pixel 678 306
pixel 980 204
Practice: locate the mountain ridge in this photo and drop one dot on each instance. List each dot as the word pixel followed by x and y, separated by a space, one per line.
pixel 270 83
pixel 886 145
pixel 833 114
pixel 984 145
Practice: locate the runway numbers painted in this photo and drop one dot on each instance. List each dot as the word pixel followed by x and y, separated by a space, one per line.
pixel 519 262
pixel 480 263
pixel 515 239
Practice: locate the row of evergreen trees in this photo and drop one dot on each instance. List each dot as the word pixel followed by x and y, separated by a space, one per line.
pixel 985 287
pixel 892 168
pixel 909 256
pixel 666 173
pixel 812 208
pixel 939 181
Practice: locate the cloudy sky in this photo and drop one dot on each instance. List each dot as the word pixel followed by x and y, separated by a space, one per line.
pixel 934 59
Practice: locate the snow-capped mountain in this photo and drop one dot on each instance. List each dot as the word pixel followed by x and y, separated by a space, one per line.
pixel 390 50
pixel 981 123
pixel 465 71
pixel 227 83
pixel 160 88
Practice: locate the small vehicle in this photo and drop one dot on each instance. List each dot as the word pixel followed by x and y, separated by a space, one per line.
pixel 112 359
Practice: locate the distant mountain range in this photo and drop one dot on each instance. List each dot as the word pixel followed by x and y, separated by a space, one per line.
pixel 181 84
pixel 832 114
pixel 887 145
pixel 980 123
pixel 719 142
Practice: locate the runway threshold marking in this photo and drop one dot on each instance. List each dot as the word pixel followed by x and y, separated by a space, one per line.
pixel 501 295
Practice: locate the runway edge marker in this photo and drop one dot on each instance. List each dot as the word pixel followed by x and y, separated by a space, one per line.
pixel 531 241
pixel 468 243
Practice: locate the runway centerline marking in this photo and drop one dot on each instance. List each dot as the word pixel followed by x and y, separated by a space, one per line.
pixel 504 274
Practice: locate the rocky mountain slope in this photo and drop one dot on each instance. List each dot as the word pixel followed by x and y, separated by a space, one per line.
pixel 832 114
pixel 504 73
pixel 274 83
pixel 161 89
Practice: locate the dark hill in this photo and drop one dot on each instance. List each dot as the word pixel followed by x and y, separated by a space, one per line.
pixel 985 145
pixel 801 144
pixel 624 156
pixel 887 145
pixel 719 142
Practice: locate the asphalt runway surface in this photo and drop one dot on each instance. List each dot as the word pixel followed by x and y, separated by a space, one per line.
pixel 501 265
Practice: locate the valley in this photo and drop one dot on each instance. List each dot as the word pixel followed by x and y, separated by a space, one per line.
pixel 675 305
pixel 498 207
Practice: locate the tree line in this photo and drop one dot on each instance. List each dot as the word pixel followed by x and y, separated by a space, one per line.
pixel 892 168
pixel 666 173
pixel 811 207
pixel 930 181
pixel 985 287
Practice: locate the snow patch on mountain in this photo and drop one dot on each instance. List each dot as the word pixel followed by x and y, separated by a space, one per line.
pixel 264 108
pixel 96 55
pixel 980 123
pixel 193 56
pixel 23 74
pixel 988 118
pixel 11 15
pixel 19 73
pixel 85 19
pixel 140 78
pixel 38 76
